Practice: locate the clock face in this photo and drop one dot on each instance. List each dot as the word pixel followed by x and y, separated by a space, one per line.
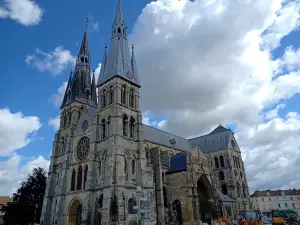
pixel 130 75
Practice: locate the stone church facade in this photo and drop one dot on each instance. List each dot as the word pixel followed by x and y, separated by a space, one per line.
pixel 109 168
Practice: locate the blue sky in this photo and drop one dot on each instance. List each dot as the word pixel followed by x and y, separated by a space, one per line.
pixel 204 71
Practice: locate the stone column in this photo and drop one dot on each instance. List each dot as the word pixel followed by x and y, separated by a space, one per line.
pixel 159 186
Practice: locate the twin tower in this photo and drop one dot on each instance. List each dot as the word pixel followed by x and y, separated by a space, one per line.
pixel 98 161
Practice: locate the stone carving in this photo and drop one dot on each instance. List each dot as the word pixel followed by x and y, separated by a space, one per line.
pixel 83 148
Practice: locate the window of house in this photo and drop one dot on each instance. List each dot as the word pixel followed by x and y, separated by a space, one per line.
pixel 293 204
pixel 279 205
pixel 262 199
pixel 286 205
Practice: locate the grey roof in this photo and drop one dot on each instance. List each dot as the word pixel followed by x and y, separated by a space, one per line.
pixel 224 198
pixel 118 61
pixel 164 138
pixel 216 140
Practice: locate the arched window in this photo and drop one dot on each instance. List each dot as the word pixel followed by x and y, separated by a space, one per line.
pixel 57 180
pixel 70 117
pixel 224 189
pixel 111 94
pixel 238 161
pixel 101 201
pixel 73 179
pixel 123 95
pixel 217 162
pixel 125 125
pixel 147 155
pixel 108 125
pixel 85 176
pixel 131 98
pixel 238 189
pixel 165 196
pixel 244 191
pixel 65 119
pixel 62 145
pixel 222 161
pixel 99 168
pixel 126 168
pixel 132 122
pixel 133 166
pixel 234 161
pixel 79 178
pixel 221 176
pixel 103 134
pixel 103 98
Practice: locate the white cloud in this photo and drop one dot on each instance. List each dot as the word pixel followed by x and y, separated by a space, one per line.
pixel 54 123
pixel 210 64
pixel 54 62
pixel 16 130
pixel 26 12
pixel 150 121
pixel 12 173
pixel 97 72
pixel 57 98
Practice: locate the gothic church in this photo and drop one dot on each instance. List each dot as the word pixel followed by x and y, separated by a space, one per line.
pixel 109 168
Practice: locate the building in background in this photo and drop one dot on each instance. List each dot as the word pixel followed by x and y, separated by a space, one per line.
pixel 107 167
pixel 266 201
pixel 3 201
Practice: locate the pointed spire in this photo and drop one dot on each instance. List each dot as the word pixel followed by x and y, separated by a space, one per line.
pixel 133 65
pixel 119 15
pixel 103 66
pixel 93 89
pixel 84 49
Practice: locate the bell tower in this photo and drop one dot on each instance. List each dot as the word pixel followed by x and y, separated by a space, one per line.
pixel 119 122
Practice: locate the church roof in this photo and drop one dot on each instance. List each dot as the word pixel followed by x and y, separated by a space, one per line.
pixel 118 61
pixel 218 139
pixel 167 139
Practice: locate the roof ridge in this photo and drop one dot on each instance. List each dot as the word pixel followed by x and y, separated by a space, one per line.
pixel 166 132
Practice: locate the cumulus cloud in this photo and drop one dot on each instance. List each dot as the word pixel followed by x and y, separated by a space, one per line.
pixel 16 130
pixel 209 64
pixel 54 123
pixel 12 173
pixel 54 62
pixel 26 12
pixel 57 98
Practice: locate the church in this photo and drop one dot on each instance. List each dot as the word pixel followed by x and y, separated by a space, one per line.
pixel 107 167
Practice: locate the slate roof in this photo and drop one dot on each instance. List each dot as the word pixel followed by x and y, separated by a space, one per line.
pixel 224 198
pixel 289 192
pixel 163 138
pixel 216 140
pixel 178 162
pixel 118 61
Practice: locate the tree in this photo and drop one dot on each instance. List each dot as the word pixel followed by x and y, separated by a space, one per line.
pixel 27 202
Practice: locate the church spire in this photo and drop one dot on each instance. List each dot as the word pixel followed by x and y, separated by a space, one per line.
pixel 119 16
pixel 118 61
pixel 79 87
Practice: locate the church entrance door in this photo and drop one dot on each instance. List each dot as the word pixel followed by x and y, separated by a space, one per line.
pixel 203 195
pixel 75 217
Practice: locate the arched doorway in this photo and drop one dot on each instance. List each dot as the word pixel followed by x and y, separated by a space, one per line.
pixel 203 197
pixel 178 212
pixel 75 217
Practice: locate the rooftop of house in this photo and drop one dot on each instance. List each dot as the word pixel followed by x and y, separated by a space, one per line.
pixel 4 200
pixel 267 193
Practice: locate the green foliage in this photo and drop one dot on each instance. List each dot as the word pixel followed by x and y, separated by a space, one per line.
pixel 27 202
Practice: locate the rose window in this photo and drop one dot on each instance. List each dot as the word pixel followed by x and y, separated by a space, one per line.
pixel 83 148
